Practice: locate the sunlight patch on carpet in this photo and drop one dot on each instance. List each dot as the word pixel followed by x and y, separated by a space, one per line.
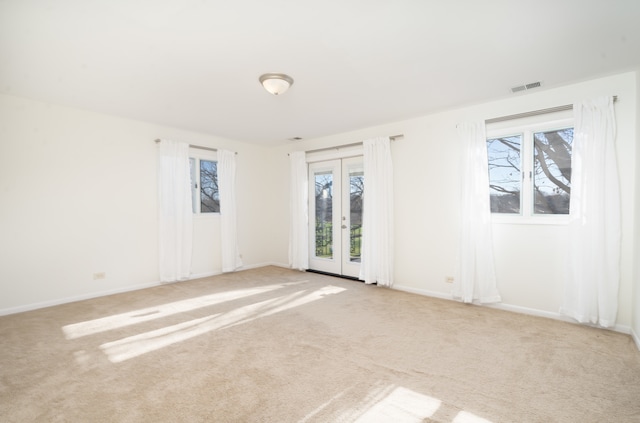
pixel 143 343
pixel 386 403
pixel 401 405
pixel 466 417
pixel 323 406
pixel 91 327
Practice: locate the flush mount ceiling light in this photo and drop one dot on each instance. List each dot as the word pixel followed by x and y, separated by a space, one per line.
pixel 276 83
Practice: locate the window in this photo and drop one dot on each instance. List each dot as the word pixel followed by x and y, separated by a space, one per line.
pixel 552 171
pixel 530 170
pixel 204 185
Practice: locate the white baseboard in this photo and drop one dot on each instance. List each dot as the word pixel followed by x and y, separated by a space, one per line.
pixel 635 338
pixel 204 275
pixel 59 301
pixel 255 266
pixel 516 309
pixel 556 316
pixel 435 294
pixel 88 296
pixel 423 292
pixel 244 267
pixel 283 265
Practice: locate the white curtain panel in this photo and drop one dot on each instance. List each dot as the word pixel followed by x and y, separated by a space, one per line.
pixel 475 275
pixel 231 260
pixel 299 212
pixel 591 289
pixel 377 214
pixel 175 214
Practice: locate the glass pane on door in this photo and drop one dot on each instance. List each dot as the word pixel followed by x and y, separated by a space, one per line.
pixel 336 190
pixel 356 197
pixel 324 214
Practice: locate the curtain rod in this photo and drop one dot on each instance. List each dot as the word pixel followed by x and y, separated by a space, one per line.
pixel 199 147
pixel 353 144
pixel 535 112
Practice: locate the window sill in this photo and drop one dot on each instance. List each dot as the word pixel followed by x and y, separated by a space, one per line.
pixel 206 216
pixel 530 220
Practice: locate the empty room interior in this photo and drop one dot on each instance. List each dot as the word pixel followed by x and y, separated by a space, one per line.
pixel 338 211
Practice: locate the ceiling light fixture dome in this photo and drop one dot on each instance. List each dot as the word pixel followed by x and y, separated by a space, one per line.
pixel 276 83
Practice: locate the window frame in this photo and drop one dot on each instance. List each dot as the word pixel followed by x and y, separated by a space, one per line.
pixel 527 127
pixel 197 155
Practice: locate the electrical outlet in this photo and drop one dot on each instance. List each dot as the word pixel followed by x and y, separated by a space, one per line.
pixel 448 279
pixel 99 275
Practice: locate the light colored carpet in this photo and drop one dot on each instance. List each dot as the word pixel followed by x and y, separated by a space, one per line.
pixel 274 345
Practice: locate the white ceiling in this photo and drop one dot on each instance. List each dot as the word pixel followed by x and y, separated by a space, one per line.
pixel 194 64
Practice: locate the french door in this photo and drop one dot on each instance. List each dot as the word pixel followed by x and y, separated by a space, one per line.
pixel 336 192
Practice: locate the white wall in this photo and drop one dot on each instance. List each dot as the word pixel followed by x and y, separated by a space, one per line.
pixel 529 259
pixel 78 196
pixel 636 288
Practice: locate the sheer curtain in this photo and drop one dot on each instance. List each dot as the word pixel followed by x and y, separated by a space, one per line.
pixel 591 290
pixel 377 214
pixel 231 260
pixel 299 213
pixel 175 214
pixel 475 276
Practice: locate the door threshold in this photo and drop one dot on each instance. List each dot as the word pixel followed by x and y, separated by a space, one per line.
pixel 336 275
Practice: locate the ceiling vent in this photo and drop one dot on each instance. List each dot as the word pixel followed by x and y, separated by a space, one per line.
pixel 295 139
pixel 526 87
